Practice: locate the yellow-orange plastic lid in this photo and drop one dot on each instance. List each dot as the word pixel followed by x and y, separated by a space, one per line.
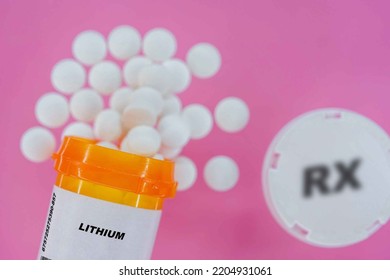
pixel 83 159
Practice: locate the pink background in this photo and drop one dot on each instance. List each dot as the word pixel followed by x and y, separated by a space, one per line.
pixel 282 57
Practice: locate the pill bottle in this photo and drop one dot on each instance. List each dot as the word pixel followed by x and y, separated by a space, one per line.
pixel 106 204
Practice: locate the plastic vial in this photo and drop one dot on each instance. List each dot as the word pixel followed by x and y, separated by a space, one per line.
pixel 106 204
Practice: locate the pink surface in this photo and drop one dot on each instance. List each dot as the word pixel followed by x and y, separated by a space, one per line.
pixel 282 57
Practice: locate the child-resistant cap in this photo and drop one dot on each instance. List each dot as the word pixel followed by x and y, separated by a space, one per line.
pixel 326 177
pixel 83 159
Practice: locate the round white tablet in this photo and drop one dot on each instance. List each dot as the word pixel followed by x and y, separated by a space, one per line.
pixel 231 114
pixel 143 140
pixel 105 77
pixel 52 110
pixel 89 47
pixel 108 126
pixel 158 156
pixel 78 129
pixel 68 76
pixel 204 60
pixel 155 76
pixel 174 131
pixel 185 173
pixel 138 113
pixel 85 104
pixel 199 119
pixel 172 105
pixel 132 68
pixel 150 95
pixel 124 42
pixel 221 173
pixel 37 144
pixel 107 144
pixel 326 177
pixel 166 121
pixel 159 44
pixel 123 145
pixel 170 153
pixel 120 99
pixel 180 75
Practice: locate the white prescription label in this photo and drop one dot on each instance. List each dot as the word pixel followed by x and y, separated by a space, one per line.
pixel 81 227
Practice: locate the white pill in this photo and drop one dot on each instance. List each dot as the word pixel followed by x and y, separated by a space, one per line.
pixel 170 153
pixel 180 75
pixel 89 47
pixel 105 77
pixel 107 125
pixel 158 156
pixel 204 60
pixel 78 129
pixel 138 113
pixel 150 95
pixel 123 145
pixel 124 42
pixel 132 68
pixel 185 173
pixel 52 110
pixel 159 44
pixel 155 76
pixel 221 173
pixel 199 120
pixel 120 99
pixel 166 121
pixel 107 144
pixel 143 140
pixel 174 131
pixel 37 144
pixel 172 105
pixel 85 104
pixel 68 76
pixel 231 114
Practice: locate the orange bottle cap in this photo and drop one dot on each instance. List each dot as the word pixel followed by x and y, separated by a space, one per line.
pixel 83 159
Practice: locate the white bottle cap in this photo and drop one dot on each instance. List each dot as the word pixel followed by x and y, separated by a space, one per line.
pixel 326 177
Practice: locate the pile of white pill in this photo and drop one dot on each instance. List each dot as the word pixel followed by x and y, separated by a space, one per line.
pixel 141 85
